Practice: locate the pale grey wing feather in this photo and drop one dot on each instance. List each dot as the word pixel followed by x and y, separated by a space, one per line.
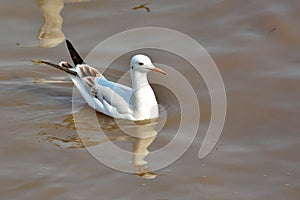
pixel 85 81
pixel 94 102
pixel 84 90
pixel 113 94
pixel 105 96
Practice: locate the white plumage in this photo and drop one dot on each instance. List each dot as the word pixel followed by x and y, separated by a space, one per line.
pixel 113 99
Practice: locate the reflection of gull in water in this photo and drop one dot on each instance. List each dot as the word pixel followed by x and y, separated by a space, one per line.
pixel 50 34
pixel 140 145
pixel 117 133
pixel 140 135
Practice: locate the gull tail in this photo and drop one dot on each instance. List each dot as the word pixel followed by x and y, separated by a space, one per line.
pixel 77 60
pixel 63 66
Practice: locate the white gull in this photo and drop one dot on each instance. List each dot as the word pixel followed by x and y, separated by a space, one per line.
pixel 110 98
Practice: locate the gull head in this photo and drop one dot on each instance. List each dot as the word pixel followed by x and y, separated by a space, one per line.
pixel 142 63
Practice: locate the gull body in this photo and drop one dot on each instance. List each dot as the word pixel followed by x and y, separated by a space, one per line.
pixel 110 98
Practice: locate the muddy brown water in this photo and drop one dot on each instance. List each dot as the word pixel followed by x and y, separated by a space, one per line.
pixel 255 45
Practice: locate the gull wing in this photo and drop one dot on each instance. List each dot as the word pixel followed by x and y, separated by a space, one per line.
pixel 105 96
pixel 114 96
pixel 109 98
pixel 77 60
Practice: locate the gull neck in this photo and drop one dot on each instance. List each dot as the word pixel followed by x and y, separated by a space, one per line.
pixel 139 79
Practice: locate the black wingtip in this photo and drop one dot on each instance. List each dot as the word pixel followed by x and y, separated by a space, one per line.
pixel 74 54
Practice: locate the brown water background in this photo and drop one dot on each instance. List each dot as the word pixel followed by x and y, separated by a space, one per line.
pixel 255 45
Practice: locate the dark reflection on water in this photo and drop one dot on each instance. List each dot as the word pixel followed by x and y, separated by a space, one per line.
pixel 143 6
pixel 141 135
pixel 50 33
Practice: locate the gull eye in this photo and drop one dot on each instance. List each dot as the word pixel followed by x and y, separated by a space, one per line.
pixel 140 63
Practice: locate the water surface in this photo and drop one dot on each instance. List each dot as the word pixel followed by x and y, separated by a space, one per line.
pixel 255 45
